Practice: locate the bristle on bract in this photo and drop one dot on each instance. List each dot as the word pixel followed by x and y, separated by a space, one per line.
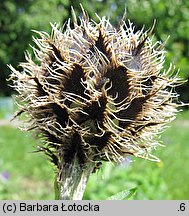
pixel 96 93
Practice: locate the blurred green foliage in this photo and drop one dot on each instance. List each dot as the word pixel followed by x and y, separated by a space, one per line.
pixel 27 175
pixel 17 18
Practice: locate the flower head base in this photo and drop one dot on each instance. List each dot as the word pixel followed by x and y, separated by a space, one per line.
pixel 96 92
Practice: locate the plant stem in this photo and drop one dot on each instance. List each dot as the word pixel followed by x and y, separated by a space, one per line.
pixel 73 180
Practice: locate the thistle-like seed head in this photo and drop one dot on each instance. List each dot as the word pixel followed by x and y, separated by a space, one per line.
pixel 96 92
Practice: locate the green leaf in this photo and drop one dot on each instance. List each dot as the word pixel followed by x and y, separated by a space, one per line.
pixel 56 189
pixel 125 194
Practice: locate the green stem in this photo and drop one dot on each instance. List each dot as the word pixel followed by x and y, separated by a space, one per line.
pixel 73 180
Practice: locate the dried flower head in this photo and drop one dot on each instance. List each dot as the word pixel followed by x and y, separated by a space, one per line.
pixel 96 93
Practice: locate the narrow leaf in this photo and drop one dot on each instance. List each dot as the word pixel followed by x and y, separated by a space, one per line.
pixel 125 194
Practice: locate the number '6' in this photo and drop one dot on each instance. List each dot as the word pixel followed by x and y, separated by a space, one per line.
pixel 182 206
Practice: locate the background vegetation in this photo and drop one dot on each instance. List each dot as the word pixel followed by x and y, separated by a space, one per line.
pixel 18 17
pixel 27 175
